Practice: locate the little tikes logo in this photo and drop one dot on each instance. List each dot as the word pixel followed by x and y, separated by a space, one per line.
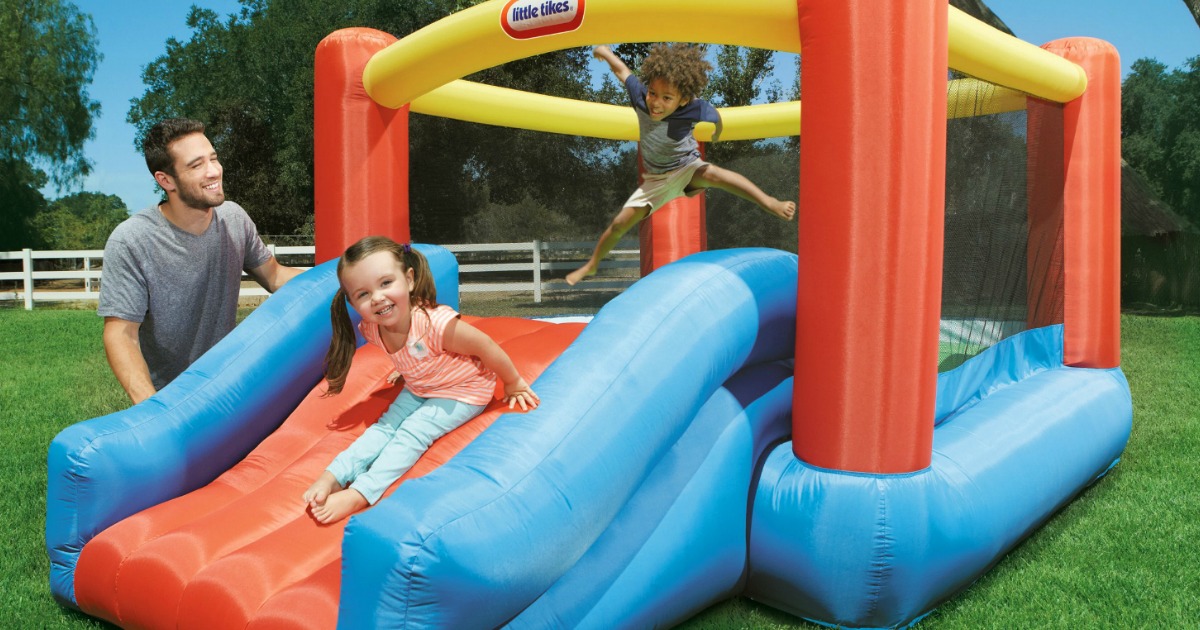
pixel 526 19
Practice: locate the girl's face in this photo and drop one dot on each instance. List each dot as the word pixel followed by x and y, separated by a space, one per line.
pixel 378 288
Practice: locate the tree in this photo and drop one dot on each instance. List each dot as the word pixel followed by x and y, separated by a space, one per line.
pixel 521 221
pixel 740 76
pixel 1194 7
pixel 250 78
pixel 1160 131
pixel 1145 104
pixel 80 221
pixel 48 57
pixel 20 200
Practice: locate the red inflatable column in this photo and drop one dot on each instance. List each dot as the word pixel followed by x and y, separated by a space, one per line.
pixel 1092 207
pixel 360 149
pixel 675 230
pixel 872 192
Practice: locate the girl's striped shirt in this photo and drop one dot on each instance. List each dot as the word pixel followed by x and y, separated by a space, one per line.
pixel 429 370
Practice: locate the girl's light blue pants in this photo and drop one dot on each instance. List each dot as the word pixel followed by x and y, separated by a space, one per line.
pixel 388 448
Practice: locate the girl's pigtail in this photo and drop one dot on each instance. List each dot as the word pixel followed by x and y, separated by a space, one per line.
pixel 424 293
pixel 341 346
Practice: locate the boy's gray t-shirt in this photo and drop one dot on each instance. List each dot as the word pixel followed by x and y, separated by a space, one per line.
pixel 182 288
pixel 667 144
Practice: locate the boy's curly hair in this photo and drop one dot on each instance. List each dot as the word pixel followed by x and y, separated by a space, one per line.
pixel 681 65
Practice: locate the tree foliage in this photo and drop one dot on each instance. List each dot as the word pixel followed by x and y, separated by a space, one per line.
pixel 1160 131
pixel 520 221
pixel 741 77
pixel 20 200
pixel 48 56
pixel 80 221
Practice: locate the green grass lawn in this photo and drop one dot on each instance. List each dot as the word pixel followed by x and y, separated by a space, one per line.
pixel 1123 555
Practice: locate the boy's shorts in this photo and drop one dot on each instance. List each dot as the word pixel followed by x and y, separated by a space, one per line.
pixel 658 189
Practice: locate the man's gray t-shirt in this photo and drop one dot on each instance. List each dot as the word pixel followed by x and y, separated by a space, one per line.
pixel 182 287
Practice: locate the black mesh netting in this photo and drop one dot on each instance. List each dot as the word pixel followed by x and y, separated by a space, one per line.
pixel 1003 217
pixel 998 277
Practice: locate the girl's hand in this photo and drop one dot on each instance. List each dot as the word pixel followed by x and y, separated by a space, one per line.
pixel 519 393
pixel 600 51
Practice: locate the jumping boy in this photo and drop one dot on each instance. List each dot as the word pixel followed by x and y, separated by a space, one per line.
pixel 668 109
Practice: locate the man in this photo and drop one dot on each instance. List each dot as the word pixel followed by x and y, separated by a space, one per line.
pixel 172 272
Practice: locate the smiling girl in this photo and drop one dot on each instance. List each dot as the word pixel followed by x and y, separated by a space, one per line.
pixel 449 368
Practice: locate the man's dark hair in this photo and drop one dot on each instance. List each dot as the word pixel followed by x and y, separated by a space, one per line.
pixel 154 145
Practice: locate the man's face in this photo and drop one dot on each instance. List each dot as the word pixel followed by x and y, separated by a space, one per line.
pixel 198 173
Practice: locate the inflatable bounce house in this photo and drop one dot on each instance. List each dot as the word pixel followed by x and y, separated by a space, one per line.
pixel 846 435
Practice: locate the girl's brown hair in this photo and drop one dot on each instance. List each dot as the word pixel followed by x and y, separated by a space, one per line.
pixel 345 342
pixel 681 65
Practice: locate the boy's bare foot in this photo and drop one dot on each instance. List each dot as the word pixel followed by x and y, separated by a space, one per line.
pixel 338 506
pixel 785 210
pixel 585 271
pixel 324 486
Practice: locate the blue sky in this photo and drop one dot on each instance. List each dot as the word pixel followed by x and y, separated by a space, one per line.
pixel 1162 29
pixel 132 33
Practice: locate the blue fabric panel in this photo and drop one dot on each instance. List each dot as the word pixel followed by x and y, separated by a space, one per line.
pixel 105 469
pixel 879 551
pixel 477 541
pixel 999 366
pixel 444 267
pixel 680 544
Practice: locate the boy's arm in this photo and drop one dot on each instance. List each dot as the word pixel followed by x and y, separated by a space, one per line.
pixel 614 62
pixel 717 132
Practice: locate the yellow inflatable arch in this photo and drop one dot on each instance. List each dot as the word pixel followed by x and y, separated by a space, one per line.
pixel 425 68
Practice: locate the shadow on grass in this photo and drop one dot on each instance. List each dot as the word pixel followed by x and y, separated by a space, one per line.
pixel 1154 310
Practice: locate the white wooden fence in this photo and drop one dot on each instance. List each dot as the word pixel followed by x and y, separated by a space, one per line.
pixel 482 267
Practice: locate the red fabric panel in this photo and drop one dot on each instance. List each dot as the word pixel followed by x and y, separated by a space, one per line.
pixel 1092 207
pixel 243 551
pixel 872 190
pixel 360 165
pixel 309 603
pixel 1044 189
